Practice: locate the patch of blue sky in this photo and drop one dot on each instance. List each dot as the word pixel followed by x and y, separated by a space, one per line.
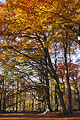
pixel 2 0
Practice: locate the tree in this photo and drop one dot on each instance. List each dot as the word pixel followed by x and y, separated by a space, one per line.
pixel 30 30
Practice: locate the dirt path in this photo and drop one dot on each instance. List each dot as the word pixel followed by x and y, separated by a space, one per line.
pixel 33 116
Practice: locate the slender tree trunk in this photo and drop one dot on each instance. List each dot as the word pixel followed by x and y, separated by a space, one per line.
pixel 13 97
pixel 4 103
pixel 20 102
pixel 67 77
pixel 24 106
pixel 0 106
pixel 78 100
pixel 17 97
pixel 16 101
pixel 78 94
pixel 61 97
pixel 48 100
pixel 47 90
pixel 32 104
pixel 56 101
pixel 69 95
pixel 4 96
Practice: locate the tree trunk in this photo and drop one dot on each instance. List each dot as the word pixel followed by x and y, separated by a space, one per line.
pixel 67 77
pixel 24 106
pixel 16 101
pixel 61 97
pixel 4 103
pixel 0 106
pixel 53 74
pixel 78 100
pixel 17 96
pixel 48 100
pixel 32 104
pixel 56 101
pixel 4 96
pixel 20 102
pixel 47 90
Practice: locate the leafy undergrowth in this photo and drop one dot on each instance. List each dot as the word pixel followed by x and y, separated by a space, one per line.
pixel 39 116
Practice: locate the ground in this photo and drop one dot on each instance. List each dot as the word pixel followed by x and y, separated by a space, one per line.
pixel 40 116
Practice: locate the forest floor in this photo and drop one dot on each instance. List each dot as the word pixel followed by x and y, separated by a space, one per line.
pixel 40 116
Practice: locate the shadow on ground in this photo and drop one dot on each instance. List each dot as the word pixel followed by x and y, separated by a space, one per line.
pixel 40 116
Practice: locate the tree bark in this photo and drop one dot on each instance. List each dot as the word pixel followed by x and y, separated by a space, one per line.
pixel 47 90
pixel 78 100
pixel 4 96
pixel 17 97
pixel 0 106
pixel 54 76
pixel 67 77
pixel 56 101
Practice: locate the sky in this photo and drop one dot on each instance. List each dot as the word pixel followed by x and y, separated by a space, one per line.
pixel 2 0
